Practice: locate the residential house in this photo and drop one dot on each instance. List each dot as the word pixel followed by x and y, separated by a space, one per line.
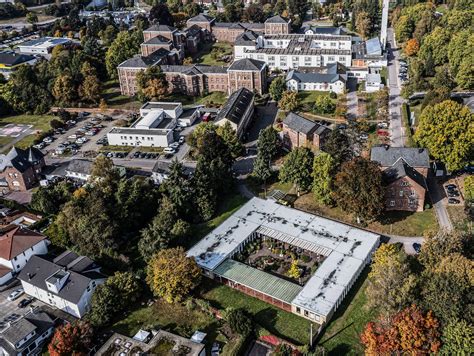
pixel 67 282
pixel 79 169
pixel 405 171
pixel 301 132
pixel 20 169
pixel 238 111
pixel 11 61
pixel 373 83
pixel 27 335
pixel 332 78
pixel 161 169
pixel 17 245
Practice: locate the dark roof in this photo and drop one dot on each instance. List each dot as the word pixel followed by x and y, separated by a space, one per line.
pixel 38 269
pixel 164 168
pixel 17 240
pixel 80 166
pixel 193 30
pixel 241 25
pixel 72 261
pixel 160 28
pixel 387 156
pixel 11 59
pixel 37 321
pixel 235 107
pixel 247 64
pixel 201 18
pixel 276 19
pixel 248 37
pixel 324 30
pixel 20 159
pixel 299 123
pixel 402 169
pixel 157 40
pixel 193 69
pixel 145 62
pixel 302 77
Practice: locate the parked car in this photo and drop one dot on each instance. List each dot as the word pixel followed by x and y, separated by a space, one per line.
pixel 16 294
pixel 48 139
pixel 174 145
pixel 453 194
pixel 136 154
pixel 169 150
pixel 451 186
pixel 215 349
pixel 40 145
pixel 417 247
pixel 453 201
pixel 364 137
pixel 24 302
pixel 181 139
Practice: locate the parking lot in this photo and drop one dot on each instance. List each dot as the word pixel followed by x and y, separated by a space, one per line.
pixel 9 310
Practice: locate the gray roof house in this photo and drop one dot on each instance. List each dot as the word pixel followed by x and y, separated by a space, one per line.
pixel 66 282
pixel 276 19
pixel 247 64
pixel 238 110
pixel 402 169
pixel 387 156
pixel 330 78
pixel 26 335
pixel 299 131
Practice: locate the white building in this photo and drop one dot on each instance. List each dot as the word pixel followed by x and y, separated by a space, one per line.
pixel 155 128
pixel 80 169
pixel 328 79
pixel 292 51
pixel 17 246
pixel 347 251
pixel 27 335
pixel 373 82
pixel 43 46
pixel 67 282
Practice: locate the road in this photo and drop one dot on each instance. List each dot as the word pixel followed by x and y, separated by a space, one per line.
pixel 397 136
pixel 436 196
pixel 407 242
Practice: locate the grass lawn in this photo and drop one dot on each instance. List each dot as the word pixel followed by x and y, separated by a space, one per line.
pixel 279 322
pixel 227 208
pixel 110 148
pixel 259 189
pixel 459 218
pixel 341 336
pixel 204 56
pixel 115 100
pixel 39 123
pixel 213 99
pixel 395 223
pixel 309 97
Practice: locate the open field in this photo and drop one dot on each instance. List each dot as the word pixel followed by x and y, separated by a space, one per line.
pixel 115 100
pixel 205 56
pixel 279 322
pixel 341 336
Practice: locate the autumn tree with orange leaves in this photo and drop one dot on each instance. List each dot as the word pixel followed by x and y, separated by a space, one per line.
pixel 71 339
pixel 412 47
pixel 411 331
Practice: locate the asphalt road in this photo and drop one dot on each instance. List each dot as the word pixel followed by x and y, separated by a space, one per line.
pixel 437 198
pixel 397 136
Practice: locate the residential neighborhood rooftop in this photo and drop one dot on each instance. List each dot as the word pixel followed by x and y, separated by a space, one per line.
pixel 387 156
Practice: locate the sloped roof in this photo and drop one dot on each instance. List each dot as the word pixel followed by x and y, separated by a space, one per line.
pixel 276 19
pixel 139 61
pixel 160 28
pixel 72 261
pixel 193 69
pixel 80 166
pixel 248 37
pixel 387 156
pixel 20 159
pixel 201 18
pixel 247 64
pixel 157 40
pixel 17 240
pixel 299 123
pixel 235 107
pixel 11 59
pixel 402 169
pixel 302 77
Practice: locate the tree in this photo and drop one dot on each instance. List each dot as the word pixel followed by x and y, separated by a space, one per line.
pixel 31 17
pixel 267 148
pixel 89 90
pixel 178 189
pixel 107 36
pixel 239 321
pixel 391 284
pixel 324 105
pixel 64 90
pixel 171 275
pixel 363 24
pixel 458 338
pixel 409 332
pixel 192 9
pixel 465 76
pixel 338 147
pixel 436 247
pixel 297 169
pixel 435 45
pixel 125 46
pixel 71 339
pixel 49 200
pixel 323 176
pixel 288 101
pixel 152 84
pixel 104 175
pixel 459 48
pixel 358 188
pixel 404 28
pixel 412 47
pixel 455 146
pixel 113 297
pixel 230 138
pixel 161 14
pixel 294 271
pixel 277 88
pixel 254 13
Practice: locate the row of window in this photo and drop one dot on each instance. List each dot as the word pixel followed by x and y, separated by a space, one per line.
pixel 144 138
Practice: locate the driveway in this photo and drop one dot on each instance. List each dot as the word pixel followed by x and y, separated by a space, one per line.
pixel 264 117
pixel 395 100
pixel 407 243
pixel 437 196
pixel 352 103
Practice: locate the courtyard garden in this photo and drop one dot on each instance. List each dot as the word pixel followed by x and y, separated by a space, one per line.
pixel 280 259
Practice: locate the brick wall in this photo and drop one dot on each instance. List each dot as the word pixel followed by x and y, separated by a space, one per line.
pixel 277 28
pixel 405 194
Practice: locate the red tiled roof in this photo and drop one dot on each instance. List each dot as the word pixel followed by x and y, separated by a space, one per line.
pixel 18 240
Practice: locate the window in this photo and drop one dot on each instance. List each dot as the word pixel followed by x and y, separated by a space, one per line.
pixel 401 193
pixel 392 202
pixel 404 184
pixel 305 313
pixel 298 310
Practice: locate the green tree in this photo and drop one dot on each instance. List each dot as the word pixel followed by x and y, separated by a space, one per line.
pixel 152 84
pixel 288 101
pixel 178 189
pixel 440 245
pixel 239 321
pixel 323 176
pixel 324 105
pixel 230 138
pixel 49 200
pixel 31 17
pixel 64 90
pixel 404 28
pixel 107 36
pixel 277 88
pixel 267 148
pixel 465 76
pixel 171 275
pixel 458 338
pixel 297 169
pixel 125 46
pixel 363 24
pixel 338 147
pixel 460 47
pixel 435 45
pixel 446 130
pixel 359 189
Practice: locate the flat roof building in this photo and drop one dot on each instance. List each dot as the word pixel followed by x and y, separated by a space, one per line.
pixel 43 45
pixel 346 250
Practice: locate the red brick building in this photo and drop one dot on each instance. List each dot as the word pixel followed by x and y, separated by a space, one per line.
pixel 405 171
pixel 301 132
pixel 20 169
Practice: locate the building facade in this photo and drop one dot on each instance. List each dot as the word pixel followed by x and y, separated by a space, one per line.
pixel 298 131
pixel 20 169
pixel 332 78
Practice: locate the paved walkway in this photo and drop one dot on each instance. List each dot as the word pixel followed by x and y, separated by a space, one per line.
pixel 436 196
pixel 395 100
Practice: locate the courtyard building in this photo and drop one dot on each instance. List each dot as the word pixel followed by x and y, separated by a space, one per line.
pixel 238 110
pixel 301 132
pixel 294 260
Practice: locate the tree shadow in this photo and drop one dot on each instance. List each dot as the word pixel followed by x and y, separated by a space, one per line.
pixel 341 349
pixel 392 217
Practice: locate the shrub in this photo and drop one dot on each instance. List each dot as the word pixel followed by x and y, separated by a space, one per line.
pixel 239 321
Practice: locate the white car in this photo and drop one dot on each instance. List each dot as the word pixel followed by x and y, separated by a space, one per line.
pixel 181 139
pixel 169 150
pixel 48 139
pixel 16 294
pixel 174 145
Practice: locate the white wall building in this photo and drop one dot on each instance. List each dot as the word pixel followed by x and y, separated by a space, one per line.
pixel 373 82
pixel 330 79
pixel 292 51
pixel 17 246
pixel 66 283
pixel 43 46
